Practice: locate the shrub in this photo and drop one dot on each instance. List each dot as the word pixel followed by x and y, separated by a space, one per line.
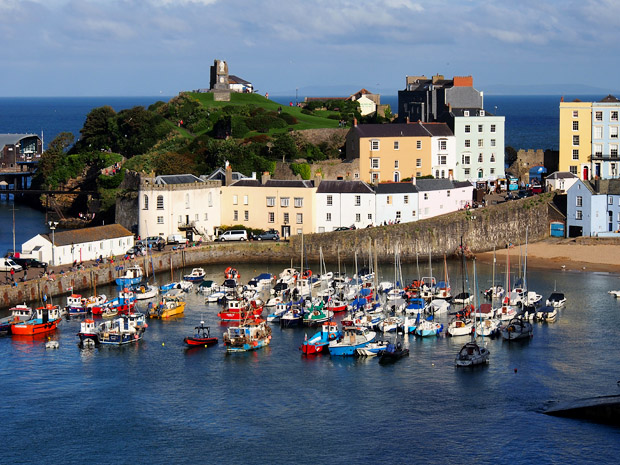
pixel 302 169
pixel 238 128
pixel 305 111
pixel 288 118
pixel 263 123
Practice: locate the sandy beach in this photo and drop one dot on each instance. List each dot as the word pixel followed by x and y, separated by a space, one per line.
pixel 585 254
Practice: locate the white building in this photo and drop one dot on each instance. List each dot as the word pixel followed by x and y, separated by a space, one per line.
pixel 179 204
pixel 396 202
pixel 443 150
pixel 79 244
pixel 560 181
pixel 344 204
pixel 440 196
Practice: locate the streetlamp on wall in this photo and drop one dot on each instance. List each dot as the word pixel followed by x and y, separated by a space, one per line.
pixel 52 225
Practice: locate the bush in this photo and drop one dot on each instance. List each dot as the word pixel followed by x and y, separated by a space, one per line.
pixel 302 169
pixel 305 111
pixel 288 118
pixel 238 128
pixel 111 182
pixel 263 123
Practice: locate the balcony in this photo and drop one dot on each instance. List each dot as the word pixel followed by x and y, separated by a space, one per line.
pixel 604 157
pixel 191 226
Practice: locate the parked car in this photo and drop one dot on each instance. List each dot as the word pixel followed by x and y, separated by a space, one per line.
pixel 234 235
pixel 136 249
pixel 26 263
pixel 7 264
pixel 154 241
pixel 343 228
pixel 271 235
pixel 525 193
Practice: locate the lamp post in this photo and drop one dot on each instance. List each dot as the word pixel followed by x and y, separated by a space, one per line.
pixel 53 225
pixel 296 91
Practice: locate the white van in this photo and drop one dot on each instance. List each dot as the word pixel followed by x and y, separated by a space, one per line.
pixel 6 264
pixel 177 239
pixel 234 235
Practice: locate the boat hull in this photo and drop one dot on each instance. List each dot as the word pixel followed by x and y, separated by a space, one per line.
pixel 30 329
pixel 200 341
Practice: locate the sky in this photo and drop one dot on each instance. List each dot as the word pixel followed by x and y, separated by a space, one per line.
pixel 313 47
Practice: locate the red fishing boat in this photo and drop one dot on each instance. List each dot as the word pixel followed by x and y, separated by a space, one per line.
pixel 45 320
pixel 239 310
pixel 201 338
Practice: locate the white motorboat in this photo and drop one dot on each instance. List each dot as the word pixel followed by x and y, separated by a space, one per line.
pixel 488 327
pixel 438 307
pixel 390 324
pixel 145 291
pixel 547 313
pixel 557 299
pixel 460 327
pixel 616 294
pixel 517 328
pixel 372 349
pixel 196 275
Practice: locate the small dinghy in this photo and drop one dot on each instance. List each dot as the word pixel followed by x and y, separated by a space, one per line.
pixel 393 353
pixel 202 337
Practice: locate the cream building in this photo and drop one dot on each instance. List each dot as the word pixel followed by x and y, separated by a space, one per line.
pixel 179 204
pixel 283 205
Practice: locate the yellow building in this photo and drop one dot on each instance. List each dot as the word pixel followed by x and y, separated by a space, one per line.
pixel 576 138
pixel 286 206
pixel 392 152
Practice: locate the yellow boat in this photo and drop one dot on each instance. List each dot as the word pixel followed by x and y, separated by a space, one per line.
pixel 170 305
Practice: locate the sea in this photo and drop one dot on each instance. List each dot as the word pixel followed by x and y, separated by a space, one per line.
pixel 160 403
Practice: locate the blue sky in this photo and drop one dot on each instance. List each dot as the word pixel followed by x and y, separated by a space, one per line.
pixel 151 47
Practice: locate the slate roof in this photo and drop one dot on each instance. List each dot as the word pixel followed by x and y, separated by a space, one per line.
pixel 396 188
pixel 177 179
pixel 220 175
pixel 434 184
pixel 472 112
pixel 458 184
pixel 273 183
pixel 97 233
pixel 605 186
pixel 562 175
pixel 610 99
pixel 344 187
pixel 232 79
pixel 12 139
pixel 403 130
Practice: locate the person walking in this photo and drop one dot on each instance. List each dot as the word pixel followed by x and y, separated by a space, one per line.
pixel 12 275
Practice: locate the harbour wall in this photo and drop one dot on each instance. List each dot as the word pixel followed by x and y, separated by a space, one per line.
pixel 482 229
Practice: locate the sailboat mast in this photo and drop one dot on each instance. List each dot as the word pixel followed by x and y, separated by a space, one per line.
pixel 493 288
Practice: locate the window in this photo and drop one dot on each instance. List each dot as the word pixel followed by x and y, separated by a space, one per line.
pixel 160 202
pixel 467 143
pixel 575 154
pixel 271 201
pixel 598 116
pixel 235 215
pixel 358 217
pixel 418 174
pixel 613 150
pixel 467 128
pixel 358 200
pixel 300 218
pixel 284 201
pixel 370 216
pixel 492 142
pixel 246 215
pixel 575 140
pixel 356 175
pixel 425 196
pixel 575 125
pixel 443 144
pixel 418 163
pixel 299 202
pixel 389 199
pixel 492 170
pixel 573 169
pixel 286 218
pixel 413 213
pixel 480 128
pixel 492 158
pixel 614 115
pixel 235 199
pixel 328 217
pixel 578 215
pixel 196 217
pixel 492 128
pixel 245 200
pixel 396 145
pixel 180 219
pixel 330 200
pixel 480 142
pixel 374 163
pixel 613 132
pixel 598 132
pixel 396 164
pixel 160 220
pixel 375 178
pixel 575 113
pixel 374 145
pixel 437 174
pixel 610 200
pixel 598 150
pixel 579 201
pixel 418 144
pixel 480 158
pixel 398 216
pixel 465 112
pixel 206 217
pixel 145 202
pixel 465 159
pixel 443 159
pixel 466 171
pixel 210 199
pixel 271 217
pixel 406 199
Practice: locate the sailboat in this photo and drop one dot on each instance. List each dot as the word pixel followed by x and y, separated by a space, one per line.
pixel 462 325
pixel 472 354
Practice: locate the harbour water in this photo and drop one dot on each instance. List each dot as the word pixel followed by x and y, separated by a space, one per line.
pixel 158 402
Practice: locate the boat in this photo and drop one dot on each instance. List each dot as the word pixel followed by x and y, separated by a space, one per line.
pixel 460 326
pixel 517 328
pixel 438 307
pixel 260 282
pixel 133 275
pixel 484 312
pixel 616 294
pixel 19 313
pixel 319 342
pixel 76 305
pixel 207 286
pixel 556 299
pixel 89 336
pixel 463 298
pixel 145 291
pixel 249 335
pixel 185 286
pixel 126 329
pixel 487 327
pixel 45 320
pixel 354 337
pixel 231 273
pixel 373 349
pixel 123 304
pixel 281 309
pixel 506 312
pixel 196 275
pixel 294 316
pixel 95 300
pixel 239 310
pixel 201 338
pixel 170 305
pixel 547 313
pixel 472 354
pixel 392 353
pixel 390 324
pixel 336 305
pixel 428 328
pixel 317 315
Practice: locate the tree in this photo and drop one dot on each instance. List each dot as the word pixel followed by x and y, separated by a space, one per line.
pixel 53 159
pixel 511 155
pixel 284 147
pixel 99 131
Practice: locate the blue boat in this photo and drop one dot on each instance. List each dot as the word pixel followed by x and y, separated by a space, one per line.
pixel 133 275
pixel 353 338
pixel 428 328
pixel 320 341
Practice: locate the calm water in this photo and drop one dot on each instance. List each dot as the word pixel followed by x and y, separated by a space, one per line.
pixel 160 403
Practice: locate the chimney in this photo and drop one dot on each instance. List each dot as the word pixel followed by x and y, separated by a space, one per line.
pixel 407 120
pixel 354 122
pixel 413 180
pixel 228 179
pixel 318 177
pixel 265 177
pixel 597 185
